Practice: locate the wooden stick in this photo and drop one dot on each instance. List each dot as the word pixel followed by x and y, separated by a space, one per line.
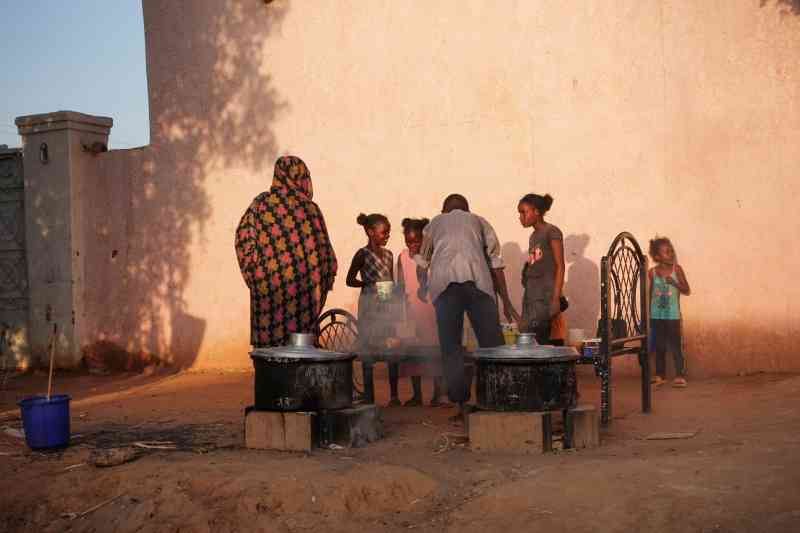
pixel 52 359
pixel 101 504
pixel 156 445
pixel 73 516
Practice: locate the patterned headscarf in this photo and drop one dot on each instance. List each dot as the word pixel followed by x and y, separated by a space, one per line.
pixel 291 174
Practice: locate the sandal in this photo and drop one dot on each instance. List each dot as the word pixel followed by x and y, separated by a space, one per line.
pixel 394 402
pixel 679 382
pixel 657 381
pixel 413 402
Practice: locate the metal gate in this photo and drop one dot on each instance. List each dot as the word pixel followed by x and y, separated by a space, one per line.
pixel 13 266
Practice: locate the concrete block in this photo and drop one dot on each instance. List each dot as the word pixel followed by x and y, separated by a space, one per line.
pixel 510 432
pixel 270 430
pixel 356 426
pixel 582 427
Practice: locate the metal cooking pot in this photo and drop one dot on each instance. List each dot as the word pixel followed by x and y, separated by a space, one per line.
pixel 526 377
pixel 300 377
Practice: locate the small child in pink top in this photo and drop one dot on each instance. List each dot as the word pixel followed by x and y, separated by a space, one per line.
pixel 420 314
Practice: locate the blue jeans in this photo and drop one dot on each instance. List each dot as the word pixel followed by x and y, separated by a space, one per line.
pixel 457 299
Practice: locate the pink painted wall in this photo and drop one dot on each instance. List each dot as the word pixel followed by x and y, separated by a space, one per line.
pixel 652 116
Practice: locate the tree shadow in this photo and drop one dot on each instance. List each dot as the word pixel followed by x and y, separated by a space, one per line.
pixel 582 285
pixel 788 7
pixel 213 55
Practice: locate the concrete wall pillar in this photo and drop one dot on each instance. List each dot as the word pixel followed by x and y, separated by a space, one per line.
pixel 57 149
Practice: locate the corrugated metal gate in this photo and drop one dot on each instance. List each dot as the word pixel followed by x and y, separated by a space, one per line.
pixel 13 266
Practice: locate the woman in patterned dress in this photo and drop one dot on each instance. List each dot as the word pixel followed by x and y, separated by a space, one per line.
pixel 285 255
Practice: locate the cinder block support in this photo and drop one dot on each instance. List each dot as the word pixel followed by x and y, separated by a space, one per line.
pixel 510 432
pixel 582 427
pixel 58 150
pixel 355 427
pixel 270 430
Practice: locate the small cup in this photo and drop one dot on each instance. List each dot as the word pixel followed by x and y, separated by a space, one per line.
pixel 576 337
pixel 510 333
pixel 526 338
pixel 384 289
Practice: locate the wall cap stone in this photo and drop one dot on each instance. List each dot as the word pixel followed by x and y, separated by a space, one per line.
pixel 63 120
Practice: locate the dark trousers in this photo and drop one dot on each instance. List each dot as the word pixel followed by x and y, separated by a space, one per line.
pixel 542 329
pixel 457 299
pixel 667 336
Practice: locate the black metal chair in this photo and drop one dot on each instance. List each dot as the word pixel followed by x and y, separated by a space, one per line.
pixel 624 318
pixel 337 330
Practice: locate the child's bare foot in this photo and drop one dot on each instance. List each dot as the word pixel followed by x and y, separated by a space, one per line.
pixel 679 382
pixel 657 381
pixel 413 402
pixel 394 402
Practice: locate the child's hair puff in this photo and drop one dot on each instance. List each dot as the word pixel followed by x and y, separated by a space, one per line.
pixel 542 203
pixel 414 224
pixel 655 245
pixel 371 220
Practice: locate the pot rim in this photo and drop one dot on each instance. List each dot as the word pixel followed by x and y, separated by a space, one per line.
pixel 290 354
pixel 525 354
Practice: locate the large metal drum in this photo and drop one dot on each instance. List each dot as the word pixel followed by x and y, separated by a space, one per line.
pixel 300 377
pixel 526 377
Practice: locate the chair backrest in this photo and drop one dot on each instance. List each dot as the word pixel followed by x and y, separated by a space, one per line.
pixel 337 330
pixel 623 290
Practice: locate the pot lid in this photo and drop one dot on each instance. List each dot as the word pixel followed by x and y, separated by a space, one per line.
pixel 300 347
pixel 527 350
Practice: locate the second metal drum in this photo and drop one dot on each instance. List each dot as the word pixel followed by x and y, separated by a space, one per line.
pixel 526 377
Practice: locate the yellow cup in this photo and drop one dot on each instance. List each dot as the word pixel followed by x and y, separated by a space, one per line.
pixel 510 333
pixel 510 337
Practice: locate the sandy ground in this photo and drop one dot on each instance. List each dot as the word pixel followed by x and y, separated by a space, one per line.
pixel 741 472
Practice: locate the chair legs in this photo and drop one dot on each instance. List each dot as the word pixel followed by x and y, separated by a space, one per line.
pixel 605 392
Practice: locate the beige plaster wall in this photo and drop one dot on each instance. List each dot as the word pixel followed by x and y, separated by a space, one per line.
pixel 652 116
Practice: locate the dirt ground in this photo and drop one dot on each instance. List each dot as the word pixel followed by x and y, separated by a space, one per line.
pixel 741 472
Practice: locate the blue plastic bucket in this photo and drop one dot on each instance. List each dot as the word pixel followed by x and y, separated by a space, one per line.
pixel 46 422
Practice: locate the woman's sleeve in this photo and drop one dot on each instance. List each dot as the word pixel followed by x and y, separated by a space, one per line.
pixel 331 265
pixel 246 245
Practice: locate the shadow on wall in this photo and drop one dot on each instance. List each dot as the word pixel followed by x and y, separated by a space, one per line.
pixel 206 116
pixel 582 285
pixel 790 7
pixel 514 260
